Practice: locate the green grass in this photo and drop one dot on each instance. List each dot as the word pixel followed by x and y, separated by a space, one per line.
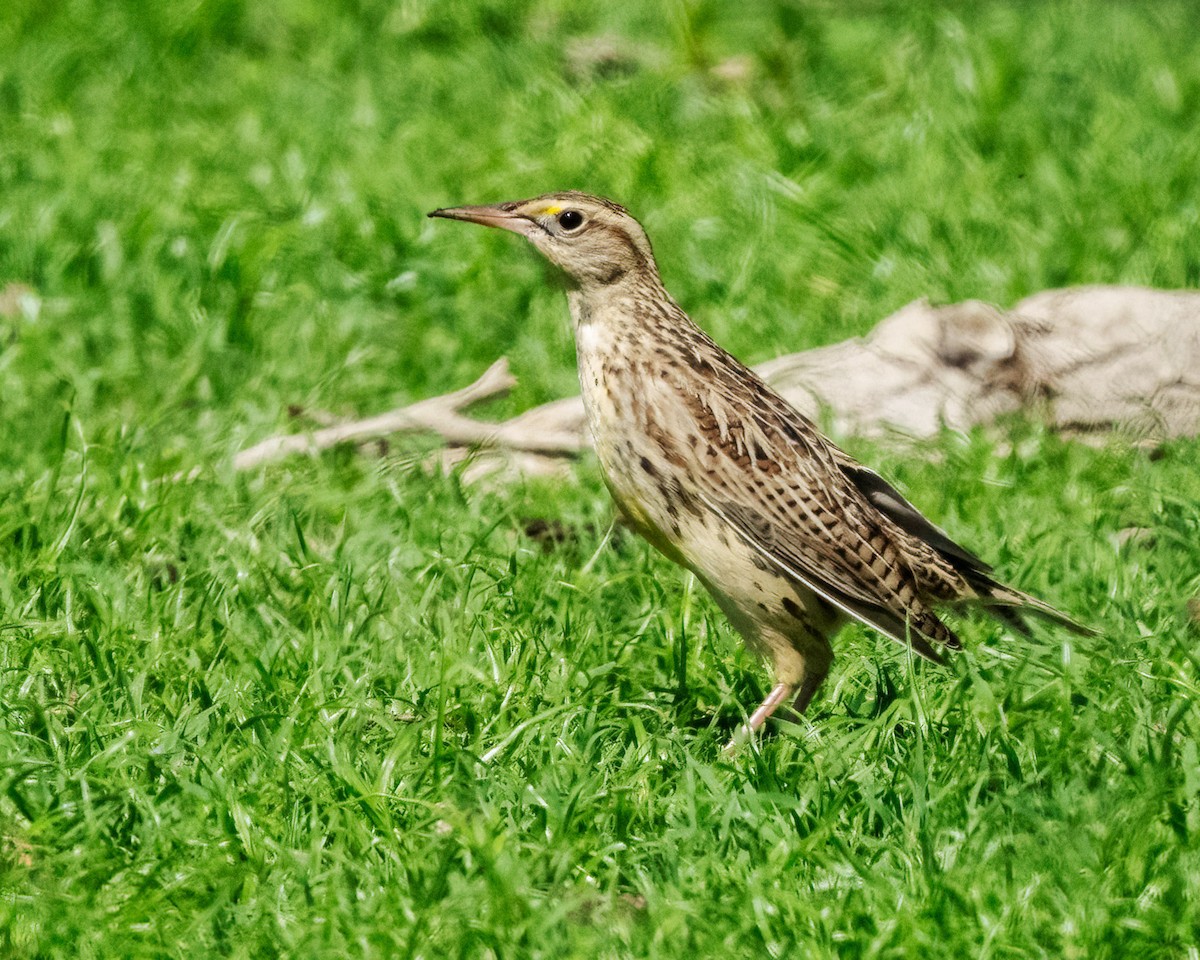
pixel 349 708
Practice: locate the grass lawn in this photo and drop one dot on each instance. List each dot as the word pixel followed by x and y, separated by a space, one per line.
pixel 347 707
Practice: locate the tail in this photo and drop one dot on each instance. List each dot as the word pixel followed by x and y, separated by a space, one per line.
pixel 1011 606
pixel 1004 603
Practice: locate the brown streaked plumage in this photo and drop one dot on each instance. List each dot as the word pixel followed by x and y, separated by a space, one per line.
pixel 790 535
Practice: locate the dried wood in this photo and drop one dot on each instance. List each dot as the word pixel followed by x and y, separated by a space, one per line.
pixel 1087 360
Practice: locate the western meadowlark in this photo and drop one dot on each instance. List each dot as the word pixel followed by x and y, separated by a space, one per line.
pixel 789 534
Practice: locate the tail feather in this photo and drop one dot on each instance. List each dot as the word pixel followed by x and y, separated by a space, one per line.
pixel 1012 606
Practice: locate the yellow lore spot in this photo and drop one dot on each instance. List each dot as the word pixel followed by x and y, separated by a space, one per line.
pixel 552 211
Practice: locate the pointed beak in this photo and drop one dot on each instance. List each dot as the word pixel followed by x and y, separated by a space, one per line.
pixel 496 215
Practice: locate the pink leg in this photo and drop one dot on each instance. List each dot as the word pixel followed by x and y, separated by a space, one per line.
pixel 779 693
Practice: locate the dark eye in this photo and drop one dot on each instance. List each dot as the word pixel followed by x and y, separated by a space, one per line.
pixel 570 219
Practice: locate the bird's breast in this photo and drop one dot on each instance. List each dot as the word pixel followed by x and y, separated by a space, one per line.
pixel 608 381
pixel 632 412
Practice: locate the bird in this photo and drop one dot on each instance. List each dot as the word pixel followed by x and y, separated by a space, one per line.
pixel 791 536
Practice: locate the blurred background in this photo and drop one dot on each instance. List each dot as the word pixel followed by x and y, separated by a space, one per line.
pixel 220 205
pixel 349 706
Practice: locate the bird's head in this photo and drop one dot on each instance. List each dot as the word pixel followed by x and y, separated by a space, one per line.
pixel 595 241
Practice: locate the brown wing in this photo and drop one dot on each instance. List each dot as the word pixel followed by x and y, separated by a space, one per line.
pixel 961 575
pixel 908 518
pixel 777 482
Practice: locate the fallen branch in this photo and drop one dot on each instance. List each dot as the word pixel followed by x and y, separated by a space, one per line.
pixel 1086 359
pixel 439 415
